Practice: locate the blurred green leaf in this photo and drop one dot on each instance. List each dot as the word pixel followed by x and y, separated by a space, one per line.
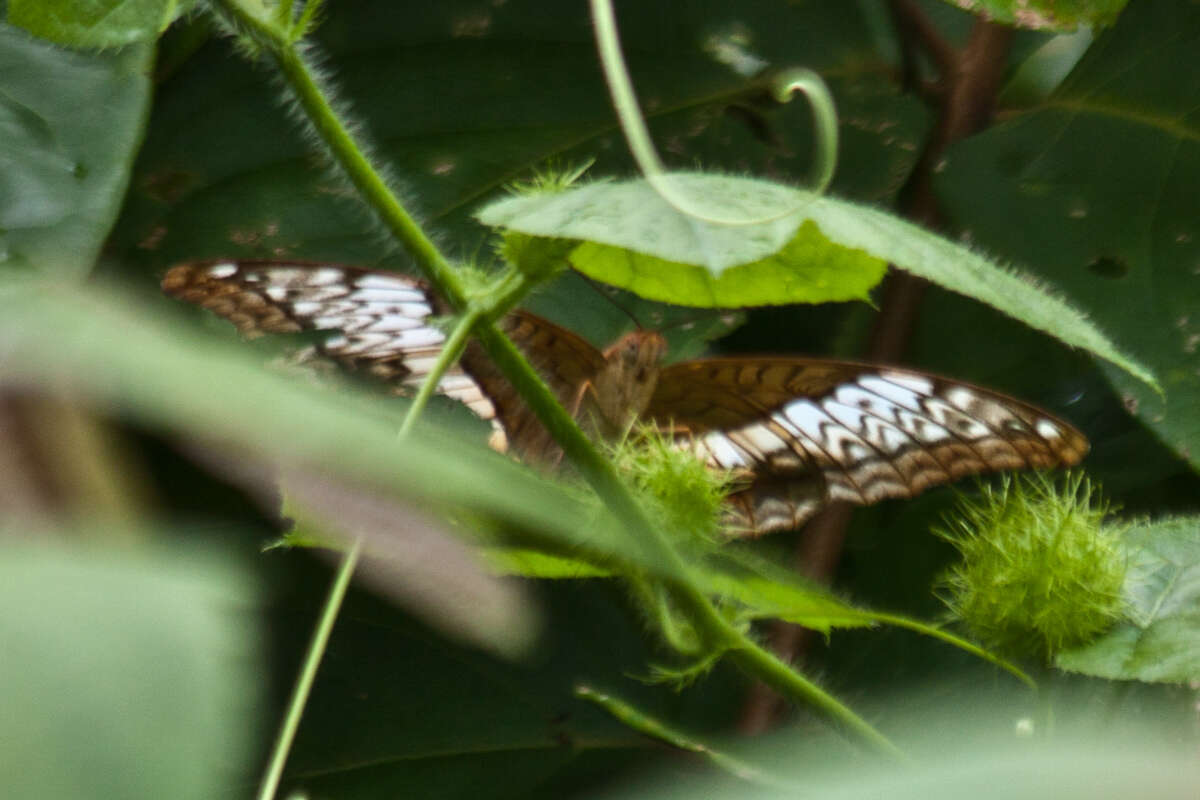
pixel 70 125
pixel 126 674
pixel 1161 639
pixel 95 23
pixel 1096 187
pixel 956 760
pixel 112 353
pixel 414 559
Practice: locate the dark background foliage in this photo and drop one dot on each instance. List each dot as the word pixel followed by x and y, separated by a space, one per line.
pixel 1090 187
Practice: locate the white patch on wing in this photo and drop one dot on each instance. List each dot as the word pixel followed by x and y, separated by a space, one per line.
pixel 917 383
pixel 890 438
pixel 849 416
pixel 421 337
pixel 807 417
pixel 956 421
pixel 307 308
pixel 763 439
pixel 891 391
pixel 921 427
pixel 398 294
pixel 961 398
pixel 421 365
pixel 393 322
pixel 223 270
pixel 375 280
pixel 723 452
pixel 325 276
pixel 1047 429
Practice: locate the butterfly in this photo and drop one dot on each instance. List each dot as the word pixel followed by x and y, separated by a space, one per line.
pixel 796 433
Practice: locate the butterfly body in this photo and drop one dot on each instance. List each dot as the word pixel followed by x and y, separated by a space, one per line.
pixel 797 433
pixel 623 388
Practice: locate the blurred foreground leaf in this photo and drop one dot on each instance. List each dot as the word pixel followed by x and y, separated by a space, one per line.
pixel 99 346
pixel 126 674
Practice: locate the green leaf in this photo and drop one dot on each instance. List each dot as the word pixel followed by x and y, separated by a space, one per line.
pixel 642 222
pixel 1161 639
pixel 1055 15
pixel 765 591
pixel 1096 187
pixel 536 564
pixel 95 23
pixel 126 674
pixel 633 238
pixel 70 125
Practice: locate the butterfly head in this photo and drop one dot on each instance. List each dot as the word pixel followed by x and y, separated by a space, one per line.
pixel 625 384
pixel 637 354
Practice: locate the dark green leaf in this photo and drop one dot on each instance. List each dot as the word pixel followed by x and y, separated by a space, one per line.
pixel 70 125
pixel 1096 189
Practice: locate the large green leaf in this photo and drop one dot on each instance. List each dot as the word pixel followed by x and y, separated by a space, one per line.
pixel 1096 187
pixel 126 674
pixel 69 128
pixel 1161 639
pixel 634 217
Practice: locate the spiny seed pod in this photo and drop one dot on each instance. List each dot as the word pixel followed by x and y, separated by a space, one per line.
pixel 1041 570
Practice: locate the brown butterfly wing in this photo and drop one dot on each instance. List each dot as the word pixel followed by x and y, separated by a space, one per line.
pixel 382 326
pixel 565 361
pixel 804 432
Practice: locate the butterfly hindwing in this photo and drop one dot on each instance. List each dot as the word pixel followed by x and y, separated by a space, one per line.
pixel 804 432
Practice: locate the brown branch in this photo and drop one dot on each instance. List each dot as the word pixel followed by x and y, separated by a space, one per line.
pixel 916 30
pixel 973 78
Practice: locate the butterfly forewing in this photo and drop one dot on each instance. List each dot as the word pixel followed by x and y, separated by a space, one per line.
pixel 380 322
pixel 803 432
pixel 796 433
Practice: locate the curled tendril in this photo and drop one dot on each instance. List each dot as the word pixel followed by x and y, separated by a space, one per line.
pixel 637 135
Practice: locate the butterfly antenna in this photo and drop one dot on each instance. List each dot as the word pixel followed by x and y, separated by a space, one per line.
pixel 700 315
pixel 600 290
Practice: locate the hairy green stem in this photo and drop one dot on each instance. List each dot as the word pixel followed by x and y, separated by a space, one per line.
pixel 645 724
pixel 279 42
pixel 766 666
